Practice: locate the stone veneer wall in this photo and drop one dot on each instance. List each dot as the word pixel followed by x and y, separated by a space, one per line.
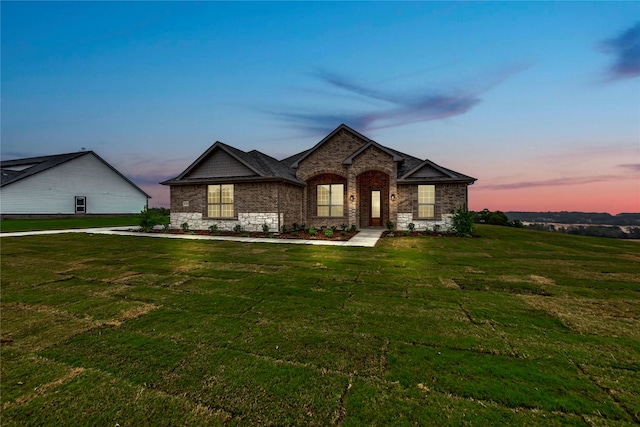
pixel 249 221
pixel 444 224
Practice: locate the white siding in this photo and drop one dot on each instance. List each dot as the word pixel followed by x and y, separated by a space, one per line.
pixel 53 191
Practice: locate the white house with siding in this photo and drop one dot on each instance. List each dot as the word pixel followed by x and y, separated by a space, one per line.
pixel 79 183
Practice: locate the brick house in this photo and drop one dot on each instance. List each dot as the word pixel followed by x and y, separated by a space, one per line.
pixel 346 178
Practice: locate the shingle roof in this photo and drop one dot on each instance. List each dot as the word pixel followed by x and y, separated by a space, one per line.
pixel 33 165
pixel 268 168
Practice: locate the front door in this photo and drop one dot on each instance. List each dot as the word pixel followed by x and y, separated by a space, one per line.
pixel 376 209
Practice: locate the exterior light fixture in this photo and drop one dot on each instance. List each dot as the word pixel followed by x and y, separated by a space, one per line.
pixel 352 198
pixel 393 197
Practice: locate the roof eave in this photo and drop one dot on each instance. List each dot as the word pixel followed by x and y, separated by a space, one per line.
pixel 231 180
pixel 467 180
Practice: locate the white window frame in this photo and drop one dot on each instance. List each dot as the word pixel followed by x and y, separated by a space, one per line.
pixel 333 204
pixel 84 204
pixel 221 204
pixel 429 202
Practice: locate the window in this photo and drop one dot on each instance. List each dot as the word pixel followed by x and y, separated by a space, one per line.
pixel 426 201
pixel 220 201
pixel 331 200
pixel 81 204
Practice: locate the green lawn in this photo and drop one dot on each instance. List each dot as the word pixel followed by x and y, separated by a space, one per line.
pixel 516 327
pixel 9 225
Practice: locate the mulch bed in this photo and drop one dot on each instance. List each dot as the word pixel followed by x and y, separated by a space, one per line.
pixel 338 235
pixel 420 234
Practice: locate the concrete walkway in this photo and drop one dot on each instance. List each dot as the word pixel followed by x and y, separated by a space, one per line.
pixel 367 237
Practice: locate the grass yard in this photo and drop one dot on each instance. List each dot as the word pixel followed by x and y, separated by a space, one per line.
pixel 517 327
pixel 9 225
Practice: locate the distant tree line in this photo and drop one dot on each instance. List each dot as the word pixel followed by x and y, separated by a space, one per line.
pixel 612 231
pixel 508 219
pixel 564 217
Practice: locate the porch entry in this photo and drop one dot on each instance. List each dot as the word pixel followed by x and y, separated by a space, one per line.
pixel 376 215
pixel 373 198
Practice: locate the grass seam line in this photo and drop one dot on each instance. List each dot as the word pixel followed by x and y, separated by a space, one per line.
pixel 607 391
pixel 43 389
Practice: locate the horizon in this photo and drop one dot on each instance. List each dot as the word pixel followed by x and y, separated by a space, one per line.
pixel 547 121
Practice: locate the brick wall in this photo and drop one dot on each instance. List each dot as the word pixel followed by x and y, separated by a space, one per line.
pixel 254 205
pixel 369 164
pixel 449 197
pixel 188 198
pixel 312 199
pixel 329 156
pixel 291 204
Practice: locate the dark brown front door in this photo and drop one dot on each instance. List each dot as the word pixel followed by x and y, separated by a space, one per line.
pixel 376 209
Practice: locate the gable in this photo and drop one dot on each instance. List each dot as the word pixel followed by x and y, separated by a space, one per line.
pixel 220 164
pixel 428 171
pixel 372 157
pixel 340 143
pixel 14 171
pixel 327 157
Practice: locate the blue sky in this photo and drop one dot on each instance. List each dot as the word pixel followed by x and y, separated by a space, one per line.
pixel 539 101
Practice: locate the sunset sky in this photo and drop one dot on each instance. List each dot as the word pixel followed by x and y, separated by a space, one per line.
pixel 539 101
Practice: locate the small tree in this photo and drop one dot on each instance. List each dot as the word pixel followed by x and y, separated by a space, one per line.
pixel 147 219
pixel 463 222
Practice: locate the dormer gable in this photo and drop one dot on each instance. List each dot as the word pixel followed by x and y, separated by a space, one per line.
pixel 220 161
pixel 372 144
pixel 429 171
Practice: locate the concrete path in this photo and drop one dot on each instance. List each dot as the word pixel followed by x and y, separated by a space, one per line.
pixel 367 237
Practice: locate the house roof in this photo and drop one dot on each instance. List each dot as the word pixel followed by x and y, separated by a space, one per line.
pixel 266 168
pixel 12 171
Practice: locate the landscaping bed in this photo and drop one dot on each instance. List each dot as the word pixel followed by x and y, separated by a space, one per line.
pixel 320 234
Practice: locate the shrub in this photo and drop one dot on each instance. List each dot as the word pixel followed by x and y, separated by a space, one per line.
pixel 166 227
pixel 265 228
pixel 237 228
pixel 184 226
pixel 294 233
pixel 328 232
pixel 463 222
pixel 147 220
pixel 214 229
pixel 312 231
pixel 485 216
pixel 283 228
pixel 411 227
pixel 390 226
pixel 296 226
pixel 353 227
pixel 344 227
